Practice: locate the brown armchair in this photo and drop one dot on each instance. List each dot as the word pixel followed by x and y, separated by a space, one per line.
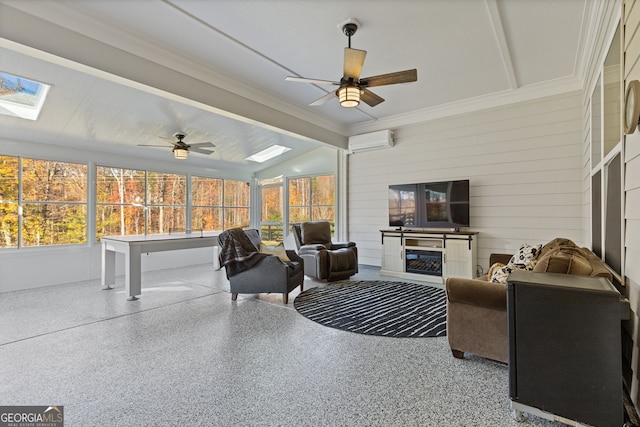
pixel 477 308
pixel 324 259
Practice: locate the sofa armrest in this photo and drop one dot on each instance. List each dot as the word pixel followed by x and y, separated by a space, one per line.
pixel 477 292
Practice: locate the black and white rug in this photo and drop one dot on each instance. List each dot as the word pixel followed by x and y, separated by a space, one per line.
pixel 393 309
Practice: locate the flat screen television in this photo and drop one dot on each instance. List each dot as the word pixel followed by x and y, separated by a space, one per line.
pixel 442 204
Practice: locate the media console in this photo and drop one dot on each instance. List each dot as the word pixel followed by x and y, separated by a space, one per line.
pixel 429 255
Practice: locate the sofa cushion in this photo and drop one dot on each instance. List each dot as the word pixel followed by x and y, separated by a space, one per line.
pixel 558 242
pixel 564 261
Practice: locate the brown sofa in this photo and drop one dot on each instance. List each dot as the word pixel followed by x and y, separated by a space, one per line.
pixel 477 308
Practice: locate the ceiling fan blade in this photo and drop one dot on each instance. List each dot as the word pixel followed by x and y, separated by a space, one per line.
pixel 201 144
pixel 314 81
pixel 405 76
pixel 200 150
pixel 353 62
pixel 171 141
pixel 323 99
pixel 370 98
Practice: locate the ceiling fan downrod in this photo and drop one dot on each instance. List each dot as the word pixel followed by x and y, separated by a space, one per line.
pixel 349 30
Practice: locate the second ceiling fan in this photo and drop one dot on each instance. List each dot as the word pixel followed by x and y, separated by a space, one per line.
pixel 352 88
pixel 181 148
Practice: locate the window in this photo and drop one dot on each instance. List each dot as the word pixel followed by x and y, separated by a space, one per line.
pixel 206 199
pixel 21 97
pixel 9 201
pixel 219 204
pixel 312 199
pixel 166 202
pixel 272 213
pixel 42 202
pixel 606 164
pixel 236 204
pixel 138 202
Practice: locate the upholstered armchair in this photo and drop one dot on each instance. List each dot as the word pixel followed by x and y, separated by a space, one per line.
pixel 250 271
pixel 477 308
pixel 324 259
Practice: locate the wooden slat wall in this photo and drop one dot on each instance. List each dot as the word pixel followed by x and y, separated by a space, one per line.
pixel 525 163
pixel 631 43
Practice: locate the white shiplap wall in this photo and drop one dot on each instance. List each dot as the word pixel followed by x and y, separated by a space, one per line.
pixel 631 43
pixel 524 162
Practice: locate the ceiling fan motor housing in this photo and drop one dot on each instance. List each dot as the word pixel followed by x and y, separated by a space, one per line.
pixel 350 29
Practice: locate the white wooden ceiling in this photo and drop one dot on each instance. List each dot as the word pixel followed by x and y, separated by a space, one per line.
pixel 468 53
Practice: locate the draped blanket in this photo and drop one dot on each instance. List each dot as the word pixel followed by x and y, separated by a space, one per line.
pixel 237 251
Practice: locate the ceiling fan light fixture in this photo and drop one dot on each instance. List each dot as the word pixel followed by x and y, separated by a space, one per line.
pixel 349 96
pixel 180 153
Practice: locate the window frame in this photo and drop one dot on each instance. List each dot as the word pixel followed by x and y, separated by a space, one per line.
pixel 310 198
pixel 601 157
pixel 21 202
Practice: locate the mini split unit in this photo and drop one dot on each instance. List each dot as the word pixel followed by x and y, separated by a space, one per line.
pixel 371 141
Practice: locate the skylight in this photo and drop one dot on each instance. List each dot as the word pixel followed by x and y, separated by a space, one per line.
pixel 20 97
pixel 268 153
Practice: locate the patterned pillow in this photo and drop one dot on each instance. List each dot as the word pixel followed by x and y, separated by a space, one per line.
pixel 526 257
pixel 500 275
pixel 494 267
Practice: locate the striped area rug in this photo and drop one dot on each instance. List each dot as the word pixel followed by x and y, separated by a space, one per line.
pixel 392 309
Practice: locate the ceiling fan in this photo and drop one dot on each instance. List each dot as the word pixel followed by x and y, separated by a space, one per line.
pixel 181 149
pixel 352 88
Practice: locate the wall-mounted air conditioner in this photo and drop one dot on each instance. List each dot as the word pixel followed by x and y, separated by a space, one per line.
pixel 371 141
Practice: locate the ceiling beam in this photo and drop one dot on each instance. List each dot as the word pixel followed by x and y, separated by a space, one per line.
pixel 76 51
pixel 501 40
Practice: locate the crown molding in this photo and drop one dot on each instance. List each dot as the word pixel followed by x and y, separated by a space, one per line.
pixel 522 94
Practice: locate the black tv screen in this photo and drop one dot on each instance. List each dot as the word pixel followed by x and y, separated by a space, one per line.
pixel 442 204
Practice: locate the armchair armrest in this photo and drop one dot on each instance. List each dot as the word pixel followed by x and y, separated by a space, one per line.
pixel 342 245
pixel 477 292
pixel 293 256
pixel 311 249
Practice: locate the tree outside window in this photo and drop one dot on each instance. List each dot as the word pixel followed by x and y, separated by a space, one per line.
pixel 237 196
pixel 206 199
pixel 9 201
pixel 271 218
pixel 52 207
pixel 312 199
pixel 219 204
pixel 137 202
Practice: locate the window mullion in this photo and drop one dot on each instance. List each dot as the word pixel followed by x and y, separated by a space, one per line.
pixel 20 203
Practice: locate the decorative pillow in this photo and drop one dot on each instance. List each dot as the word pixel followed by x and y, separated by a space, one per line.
pixel 564 262
pixel 526 257
pixel 277 250
pixel 500 275
pixel 494 267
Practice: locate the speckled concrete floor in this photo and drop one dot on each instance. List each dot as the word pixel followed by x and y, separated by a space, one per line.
pixel 186 355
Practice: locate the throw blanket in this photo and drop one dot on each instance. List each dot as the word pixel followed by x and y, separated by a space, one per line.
pixel 237 251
